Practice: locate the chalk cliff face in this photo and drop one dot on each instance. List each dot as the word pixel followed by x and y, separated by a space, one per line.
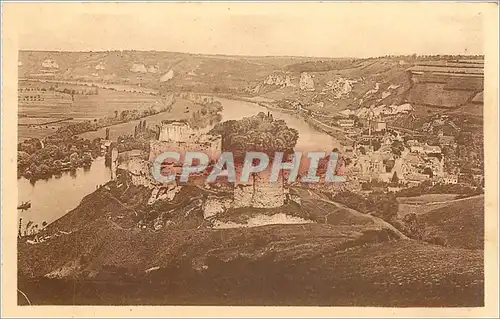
pixel 306 82
pixel 153 69
pixel 214 206
pixel 281 80
pixel 138 68
pixel 167 76
pixel 339 86
pixel 100 66
pixel 50 64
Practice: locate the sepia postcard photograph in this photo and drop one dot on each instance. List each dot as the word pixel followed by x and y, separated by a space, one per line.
pixel 290 154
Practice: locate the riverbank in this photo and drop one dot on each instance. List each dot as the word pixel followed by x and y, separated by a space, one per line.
pixel 53 197
pixel 336 133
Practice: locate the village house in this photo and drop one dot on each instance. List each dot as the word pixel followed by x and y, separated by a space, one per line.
pixel 415 179
pixel 417 148
pixel 379 126
pixel 446 140
pixel 393 189
pixel 449 179
pixel 424 148
pixel 412 143
pixel 345 123
pixel 431 149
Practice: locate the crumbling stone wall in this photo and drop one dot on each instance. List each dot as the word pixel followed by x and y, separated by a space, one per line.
pixel 210 147
pixel 177 131
pixel 243 195
pixel 268 194
pixel 139 171
pixel 215 205
pixel 259 192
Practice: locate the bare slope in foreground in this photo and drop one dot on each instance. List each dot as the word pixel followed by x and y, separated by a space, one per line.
pixel 111 261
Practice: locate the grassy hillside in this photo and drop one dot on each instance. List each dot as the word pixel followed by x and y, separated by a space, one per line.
pixel 247 268
pixel 192 72
pixel 342 258
pixel 461 223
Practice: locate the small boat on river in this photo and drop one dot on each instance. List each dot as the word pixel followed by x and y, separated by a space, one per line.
pixel 24 206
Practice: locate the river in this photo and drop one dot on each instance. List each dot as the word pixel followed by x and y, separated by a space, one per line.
pixel 310 139
pixel 52 198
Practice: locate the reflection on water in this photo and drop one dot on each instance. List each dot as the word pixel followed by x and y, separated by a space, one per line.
pixel 53 197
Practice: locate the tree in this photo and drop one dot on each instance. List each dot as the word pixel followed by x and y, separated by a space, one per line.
pixel 414 227
pixel 428 171
pixel 395 179
pixel 44 169
pixel 86 159
pixel 397 147
pixel 256 133
pixel 74 159
pixel 384 205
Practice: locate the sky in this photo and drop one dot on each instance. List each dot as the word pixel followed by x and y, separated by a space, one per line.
pixel 259 29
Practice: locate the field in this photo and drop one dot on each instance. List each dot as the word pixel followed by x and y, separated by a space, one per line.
pixel 179 111
pixel 40 131
pixel 423 203
pixel 83 107
pixel 436 94
pixel 105 103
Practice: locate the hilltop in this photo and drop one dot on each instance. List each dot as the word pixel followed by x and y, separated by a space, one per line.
pixel 325 85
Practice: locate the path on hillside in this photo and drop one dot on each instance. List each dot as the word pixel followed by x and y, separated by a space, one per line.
pixel 377 221
pixel 120 202
pixel 329 127
pixel 445 201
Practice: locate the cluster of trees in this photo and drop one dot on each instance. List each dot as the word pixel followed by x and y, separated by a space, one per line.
pixel 93 91
pixel 385 206
pixel 380 204
pixel 129 142
pixel 470 150
pixel 427 188
pixel 415 227
pixel 323 66
pixel 30 228
pixel 209 114
pixel 258 133
pixel 42 159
